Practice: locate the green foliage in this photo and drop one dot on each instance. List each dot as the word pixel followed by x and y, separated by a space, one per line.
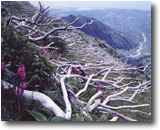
pixel 42 114
pixel 38 116
pixel 77 115
pixel 17 49
pixel 15 7
pixel 58 118
pixel 8 105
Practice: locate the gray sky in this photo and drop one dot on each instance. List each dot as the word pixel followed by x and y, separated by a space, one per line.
pixel 87 5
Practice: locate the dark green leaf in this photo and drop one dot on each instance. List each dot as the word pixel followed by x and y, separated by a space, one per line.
pixel 74 87
pixel 47 113
pixel 59 118
pixel 75 108
pixel 80 118
pixel 38 116
pixel 87 119
pixel 36 106
pixel 36 70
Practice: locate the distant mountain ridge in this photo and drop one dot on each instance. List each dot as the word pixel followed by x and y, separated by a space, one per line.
pixel 112 37
pixel 20 6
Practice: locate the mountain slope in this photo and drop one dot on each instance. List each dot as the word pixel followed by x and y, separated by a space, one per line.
pixel 50 71
pixel 19 7
pixel 129 21
pixel 112 37
pixel 132 24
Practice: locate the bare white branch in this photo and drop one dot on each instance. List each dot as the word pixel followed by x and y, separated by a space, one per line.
pixel 103 69
pixel 92 99
pixel 85 87
pixel 45 101
pixel 66 100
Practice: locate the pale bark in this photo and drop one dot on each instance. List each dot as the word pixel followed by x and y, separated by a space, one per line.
pixel 89 57
pixel 45 101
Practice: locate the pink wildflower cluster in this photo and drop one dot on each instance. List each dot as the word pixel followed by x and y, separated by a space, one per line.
pixel 23 85
pixel 120 84
pixel 2 65
pixel 18 91
pixel 98 86
pixel 88 73
pixel 42 52
pixel 148 111
pixel 21 74
pixel 34 36
pixel 54 51
pixel 115 114
pixel 103 96
pixel 53 57
pixel 77 70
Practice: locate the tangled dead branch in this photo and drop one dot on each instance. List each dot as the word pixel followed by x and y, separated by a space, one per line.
pixel 91 68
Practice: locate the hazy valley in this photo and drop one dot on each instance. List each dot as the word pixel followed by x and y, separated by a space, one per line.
pixel 71 69
pixel 127 31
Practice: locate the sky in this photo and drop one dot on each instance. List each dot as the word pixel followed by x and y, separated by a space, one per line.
pixel 88 5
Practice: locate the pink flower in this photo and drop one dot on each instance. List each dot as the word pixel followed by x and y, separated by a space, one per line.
pixel 21 72
pixel 75 69
pixel 114 114
pixel 67 58
pixel 78 71
pixel 148 111
pixel 42 51
pixel 103 95
pixel 88 73
pixel 46 54
pixel 98 86
pixel 2 65
pixel 53 51
pixel 18 91
pixel 33 35
pixel 23 85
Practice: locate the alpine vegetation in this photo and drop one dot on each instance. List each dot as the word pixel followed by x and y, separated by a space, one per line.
pixel 51 71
